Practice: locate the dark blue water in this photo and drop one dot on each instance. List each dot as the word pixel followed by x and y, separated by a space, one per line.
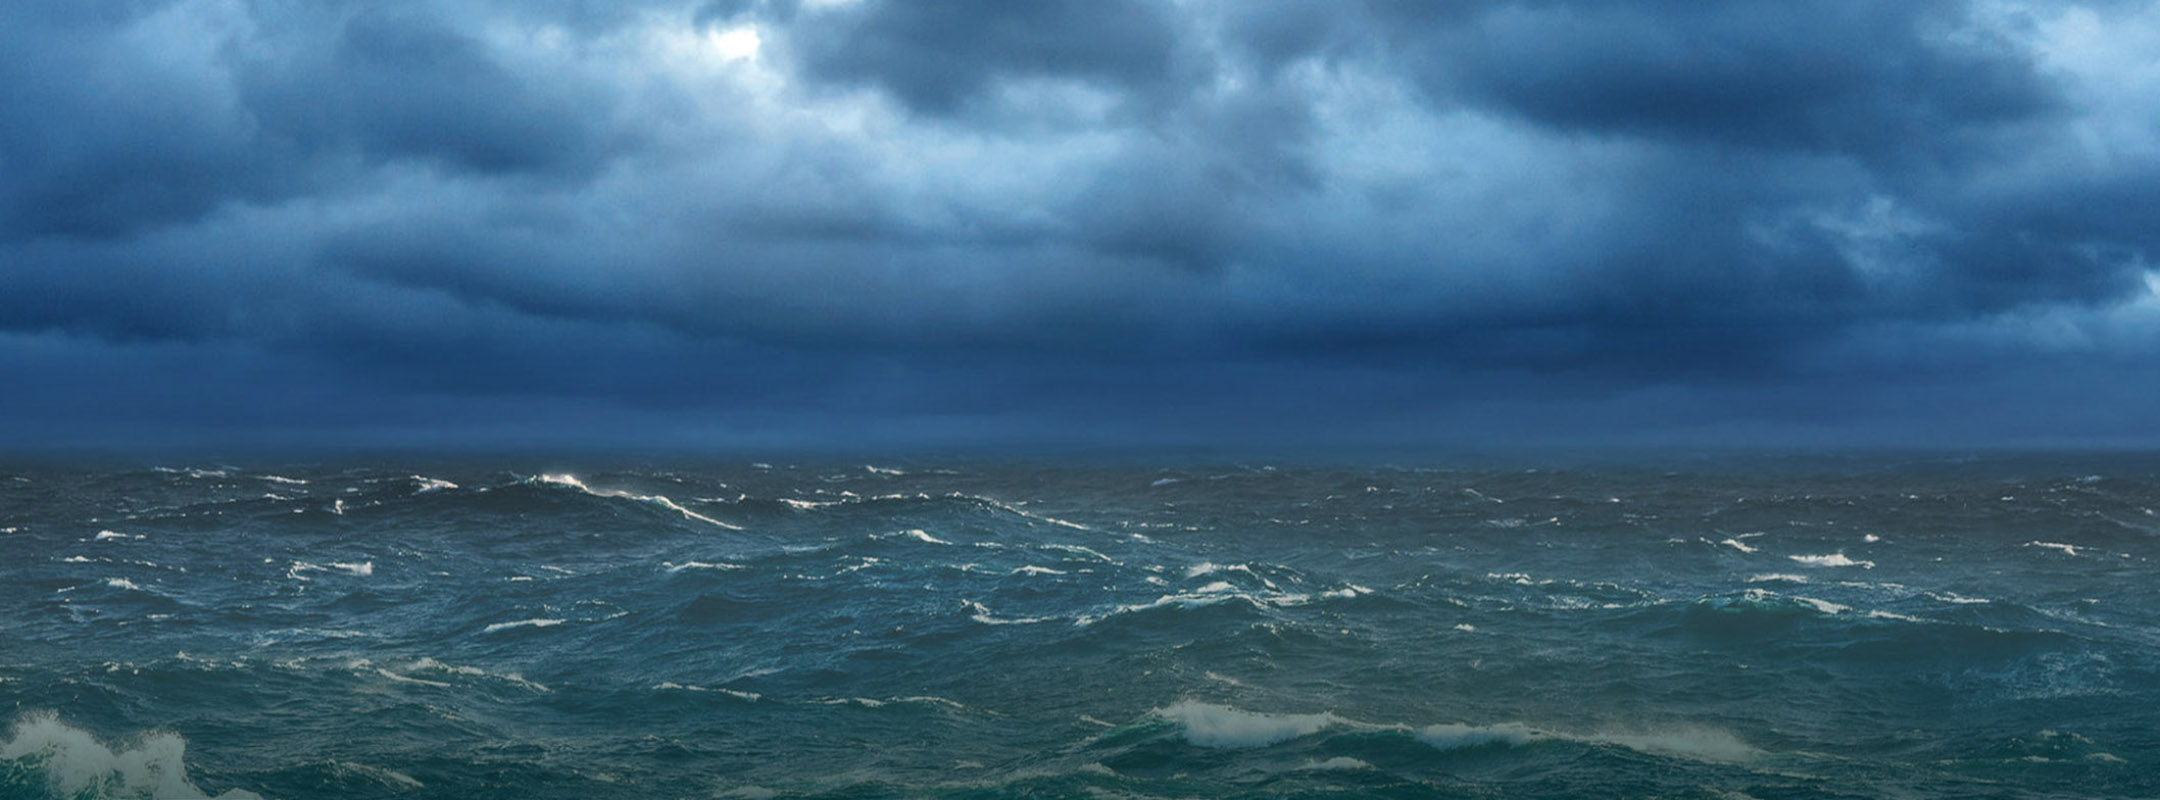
pixel 1706 628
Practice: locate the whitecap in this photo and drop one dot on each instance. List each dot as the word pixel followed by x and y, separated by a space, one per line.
pixel 409 679
pixel 523 623
pixel 1031 569
pixel 432 665
pixel 917 534
pixel 982 614
pixel 360 569
pixel 1777 577
pixel 1209 725
pixel 282 479
pixel 2067 549
pixel 1832 560
pixel 719 565
pixel 76 764
pixel 427 484
pixel 123 583
pixel 678 687
pixel 1029 514
pixel 1823 606
pixel 877 470
pixel 1736 544
pixel 112 536
pixel 572 482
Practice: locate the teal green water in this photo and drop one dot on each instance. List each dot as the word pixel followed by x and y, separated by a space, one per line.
pixel 1712 628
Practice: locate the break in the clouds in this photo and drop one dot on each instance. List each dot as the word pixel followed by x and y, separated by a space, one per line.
pixel 786 222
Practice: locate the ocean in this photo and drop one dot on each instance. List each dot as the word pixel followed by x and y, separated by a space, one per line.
pixel 1674 626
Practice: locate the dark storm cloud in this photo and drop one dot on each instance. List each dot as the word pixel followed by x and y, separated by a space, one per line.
pixel 780 220
pixel 937 56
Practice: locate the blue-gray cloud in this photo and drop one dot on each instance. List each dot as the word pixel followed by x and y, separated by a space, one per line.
pixel 776 221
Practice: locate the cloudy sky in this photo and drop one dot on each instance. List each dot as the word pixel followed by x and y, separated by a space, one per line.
pixel 773 223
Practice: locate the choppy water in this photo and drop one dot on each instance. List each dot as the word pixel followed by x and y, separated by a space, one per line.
pixel 1722 628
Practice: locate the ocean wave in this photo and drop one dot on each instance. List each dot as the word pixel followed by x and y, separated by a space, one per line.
pixel 358 569
pixel 1210 725
pixel 537 622
pixel 671 686
pixel 982 614
pixel 916 534
pixel 573 482
pixel 1223 727
pixel 74 764
pixel 1832 560
pixel 1220 592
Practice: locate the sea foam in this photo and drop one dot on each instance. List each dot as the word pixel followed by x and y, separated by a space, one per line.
pixel 75 764
pixel 1209 725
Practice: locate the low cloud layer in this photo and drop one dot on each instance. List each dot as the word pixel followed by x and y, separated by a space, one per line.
pixel 834 223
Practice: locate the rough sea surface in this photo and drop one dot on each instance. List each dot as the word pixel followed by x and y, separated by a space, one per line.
pixel 1692 628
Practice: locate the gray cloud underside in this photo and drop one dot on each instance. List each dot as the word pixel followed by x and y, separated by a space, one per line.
pixel 755 220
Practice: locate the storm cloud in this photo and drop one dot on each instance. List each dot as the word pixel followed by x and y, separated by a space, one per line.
pixel 881 223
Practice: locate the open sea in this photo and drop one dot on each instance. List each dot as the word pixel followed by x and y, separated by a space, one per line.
pixel 1675 627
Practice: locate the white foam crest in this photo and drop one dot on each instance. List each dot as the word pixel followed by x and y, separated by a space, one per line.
pixel 808 505
pixel 281 479
pixel 409 679
pixel 1074 548
pixel 719 565
pixel 123 583
pixel 1220 592
pixel 1031 569
pixel 1777 577
pixel 1736 544
pixel 431 665
pixel 1893 615
pixel 1210 725
pixel 193 472
pixel 981 613
pixel 1832 560
pixel 1823 606
pixel 76 560
pixel 1029 514
pixel 359 569
pixel 877 470
pixel 865 702
pixel 572 482
pixel 1162 482
pixel 1871 538
pixel 113 536
pixel 678 687
pixel 76 764
pixel 536 622
pixel 2067 549
pixel 1954 597
pixel 917 534
pixel 427 484
pixel 1336 763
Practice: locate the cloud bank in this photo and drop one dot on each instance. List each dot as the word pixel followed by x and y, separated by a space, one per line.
pixel 793 222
